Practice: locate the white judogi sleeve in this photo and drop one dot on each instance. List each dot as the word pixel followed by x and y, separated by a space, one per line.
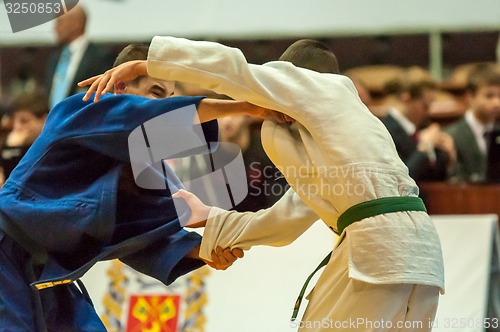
pixel 277 225
pixel 225 70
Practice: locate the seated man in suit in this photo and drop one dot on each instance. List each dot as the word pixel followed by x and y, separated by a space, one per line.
pixel 471 132
pixel 427 151
pixel 77 58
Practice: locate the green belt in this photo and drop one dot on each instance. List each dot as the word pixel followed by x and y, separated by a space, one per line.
pixel 359 212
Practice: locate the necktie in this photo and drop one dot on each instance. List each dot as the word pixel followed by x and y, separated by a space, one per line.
pixel 60 85
pixel 487 138
pixel 415 136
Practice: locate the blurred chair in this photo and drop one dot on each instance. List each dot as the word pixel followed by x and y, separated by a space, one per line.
pixel 456 81
pixel 374 77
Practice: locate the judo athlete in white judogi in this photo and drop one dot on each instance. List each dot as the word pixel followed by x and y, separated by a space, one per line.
pixel 386 270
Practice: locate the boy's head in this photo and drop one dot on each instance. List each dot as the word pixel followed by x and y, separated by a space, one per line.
pixel 71 25
pixel 144 86
pixel 311 54
pixel 29 112
pixel 483 91
pixel 414 89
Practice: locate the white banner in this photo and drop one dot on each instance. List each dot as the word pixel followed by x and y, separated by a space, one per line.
pixel 258 292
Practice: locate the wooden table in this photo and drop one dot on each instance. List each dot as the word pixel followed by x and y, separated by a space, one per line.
pixel 462 198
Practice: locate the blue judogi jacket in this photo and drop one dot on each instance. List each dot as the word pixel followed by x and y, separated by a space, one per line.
pixel 62 204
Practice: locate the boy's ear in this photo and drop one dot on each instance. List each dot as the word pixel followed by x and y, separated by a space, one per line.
pixel 469 96
pixel 120 88
pixel 405 97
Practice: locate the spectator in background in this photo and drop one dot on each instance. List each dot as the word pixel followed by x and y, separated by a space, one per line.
pixel 24 81
pixel 77 57
pixel 29 112
pixel 425 148
pixel 471 132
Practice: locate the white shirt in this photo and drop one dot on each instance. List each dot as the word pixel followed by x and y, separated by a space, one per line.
pixel 408 126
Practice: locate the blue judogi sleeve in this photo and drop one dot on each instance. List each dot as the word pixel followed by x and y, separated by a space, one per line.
pixel 105 126
pixel 165 259
pixel 61 202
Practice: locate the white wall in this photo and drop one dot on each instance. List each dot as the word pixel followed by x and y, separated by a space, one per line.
pixel 129 20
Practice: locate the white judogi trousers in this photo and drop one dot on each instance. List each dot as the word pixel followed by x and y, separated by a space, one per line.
pixel 341 303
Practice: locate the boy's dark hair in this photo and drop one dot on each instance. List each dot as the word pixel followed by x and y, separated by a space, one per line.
pixel 132 52
pixel 412 80
pixel 483 74
pixel 35 102
pixel 311 54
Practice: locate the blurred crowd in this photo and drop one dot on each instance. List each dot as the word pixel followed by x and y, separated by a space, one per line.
pixel 443 131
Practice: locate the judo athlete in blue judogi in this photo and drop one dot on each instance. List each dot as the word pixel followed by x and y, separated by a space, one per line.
pixel 61 211
pixel 72 201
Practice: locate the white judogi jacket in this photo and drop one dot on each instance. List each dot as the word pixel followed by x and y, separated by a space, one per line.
pixel 342 156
